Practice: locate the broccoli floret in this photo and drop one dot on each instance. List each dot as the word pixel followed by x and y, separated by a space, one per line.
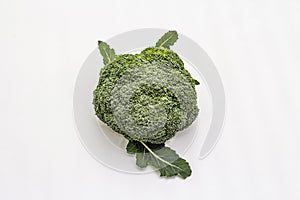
pixel 154 112
pixel 148 97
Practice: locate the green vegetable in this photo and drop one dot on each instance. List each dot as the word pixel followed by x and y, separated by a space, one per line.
pixel 107 53
pixel 163 158
pixel 167 39
pixel 148 97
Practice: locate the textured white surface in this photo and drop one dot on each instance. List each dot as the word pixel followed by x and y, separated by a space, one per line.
pixel 255 46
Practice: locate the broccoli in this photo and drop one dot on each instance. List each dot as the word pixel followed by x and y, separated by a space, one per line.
pixel 147 97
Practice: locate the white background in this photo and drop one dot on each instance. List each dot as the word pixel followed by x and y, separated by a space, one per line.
pixel 255 45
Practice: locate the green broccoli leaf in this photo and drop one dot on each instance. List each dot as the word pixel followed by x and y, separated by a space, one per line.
pixel 167 40
pixel 107 53
pixel 160 157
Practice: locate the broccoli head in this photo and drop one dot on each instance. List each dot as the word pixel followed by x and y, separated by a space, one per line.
pixel 146 97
